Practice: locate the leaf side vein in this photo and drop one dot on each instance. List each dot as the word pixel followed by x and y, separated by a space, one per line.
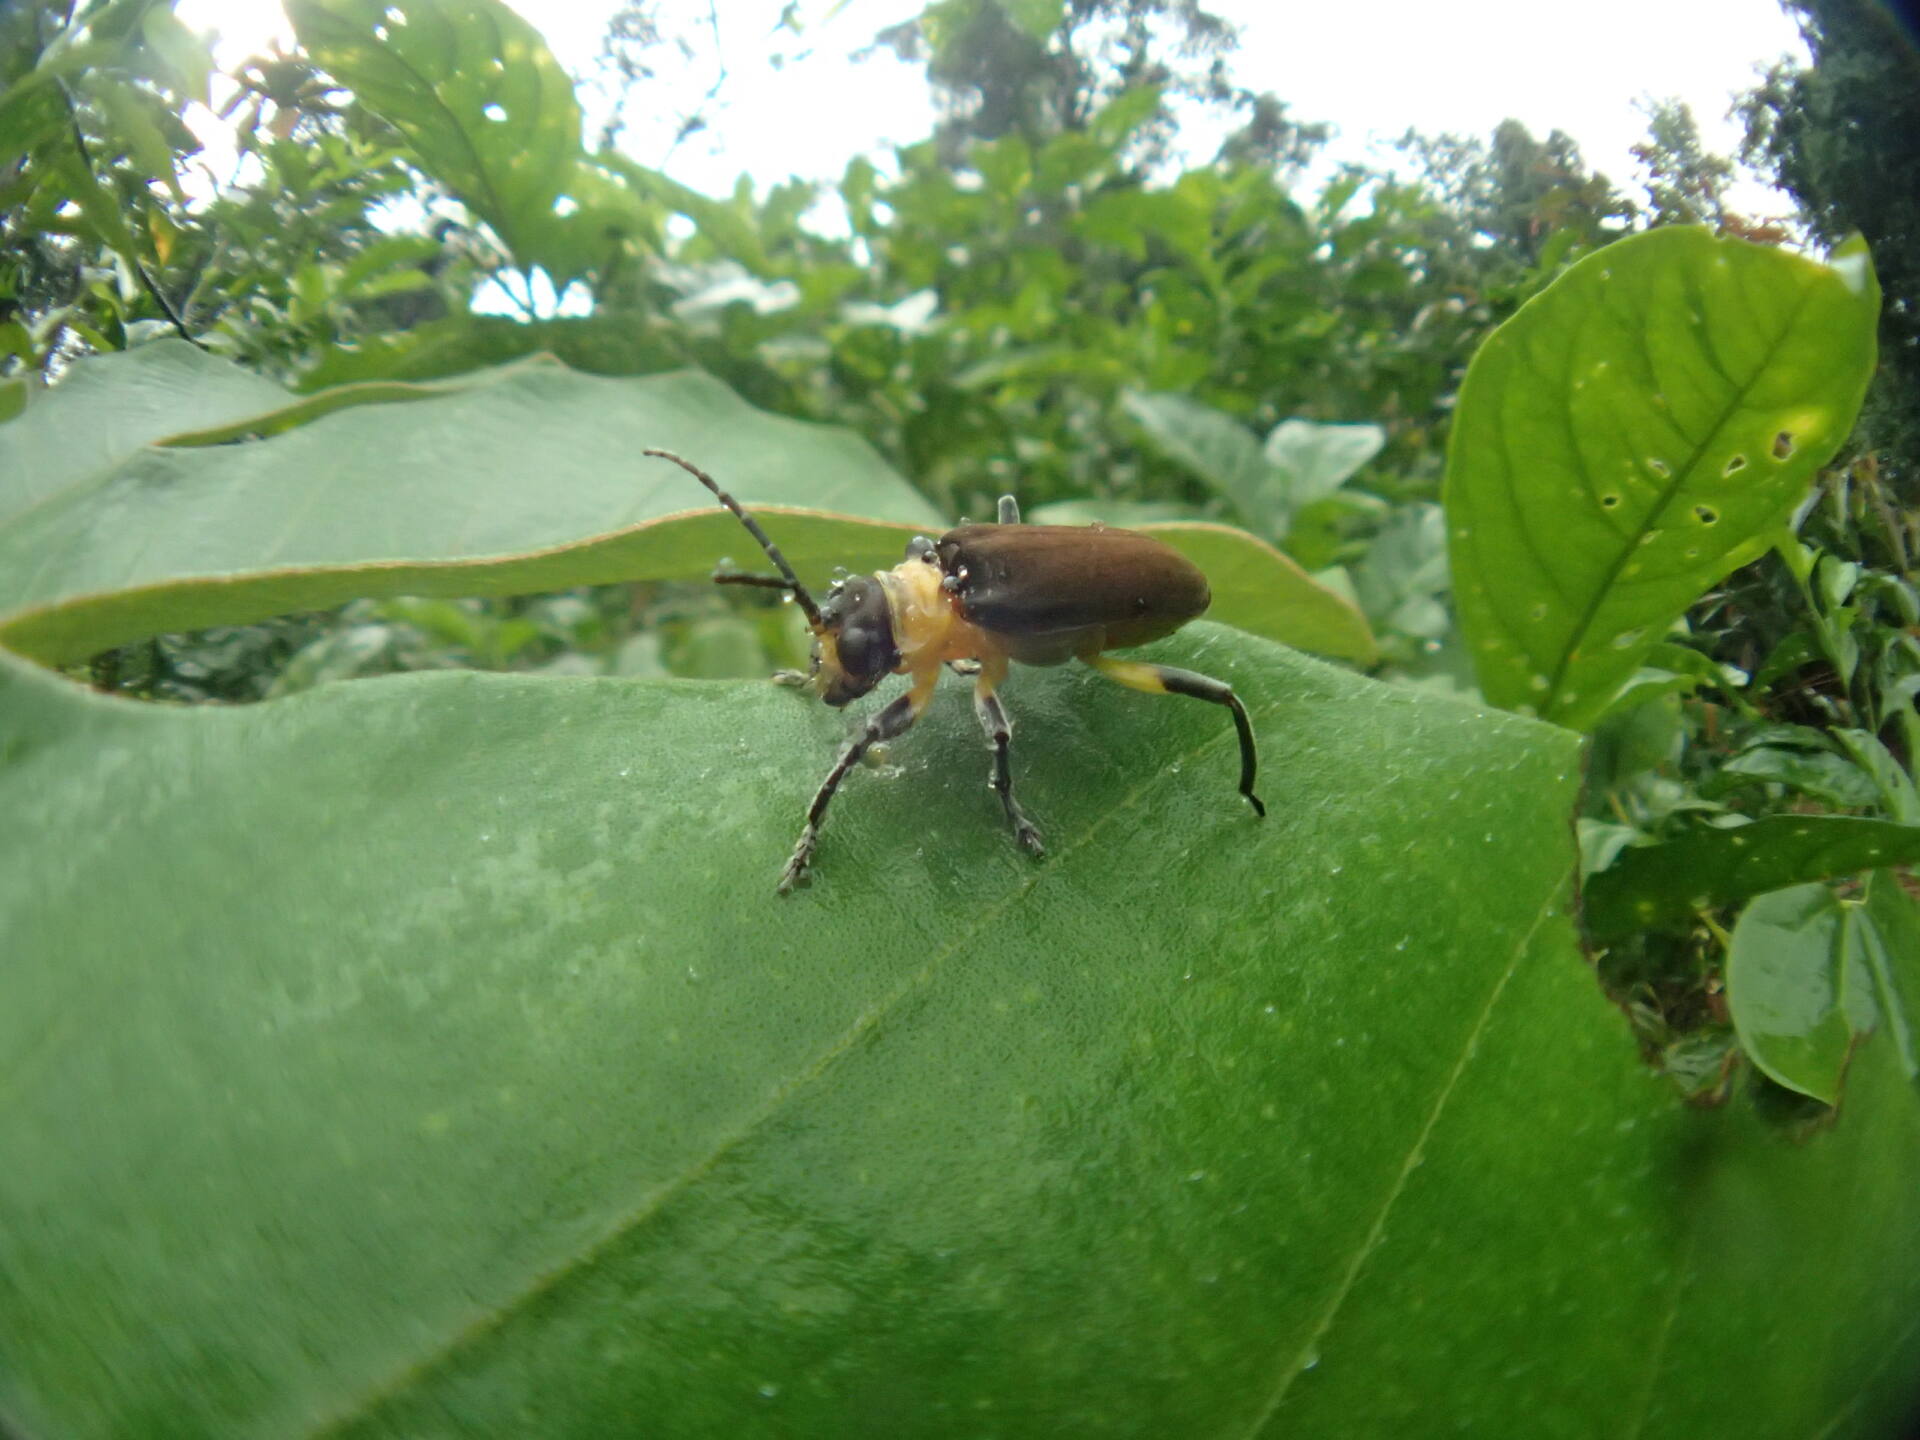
pixel 1303 1359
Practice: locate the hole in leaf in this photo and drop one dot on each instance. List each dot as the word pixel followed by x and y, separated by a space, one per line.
pixel 395 15
pixel 1659 466
pixel 1609 500
pixel 1734 463
pixel 494 112
pixel 565 205
pixel 380 33
pixel 1706 514
pixel 1782 446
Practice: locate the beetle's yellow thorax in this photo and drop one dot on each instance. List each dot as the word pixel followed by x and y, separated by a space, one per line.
pixel 927 628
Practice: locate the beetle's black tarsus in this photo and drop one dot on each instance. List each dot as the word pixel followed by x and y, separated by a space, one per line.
pixel 1166 680
pixel 1009 510
pixel 999 732
pixel 1218 692
pixel 800 595
pixel 893 719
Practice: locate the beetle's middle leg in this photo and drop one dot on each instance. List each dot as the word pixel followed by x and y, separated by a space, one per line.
pixel 1165 680
pixel 999 731
pixel 893 719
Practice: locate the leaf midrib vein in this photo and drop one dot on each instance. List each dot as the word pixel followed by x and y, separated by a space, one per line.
pixel 1301 1361
pixel 1657 1351
pixel 1851 1404
pixel 1672 489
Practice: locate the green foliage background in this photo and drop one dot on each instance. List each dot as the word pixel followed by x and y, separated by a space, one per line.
pixel 432 1054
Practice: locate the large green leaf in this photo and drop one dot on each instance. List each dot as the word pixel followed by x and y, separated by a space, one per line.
pixel 487 110
pixel 431 1056
pixel 507 481
pixel 1637 431
pixel 523 478
pixel 1668 885
pixel 107 408
pixel 1259 589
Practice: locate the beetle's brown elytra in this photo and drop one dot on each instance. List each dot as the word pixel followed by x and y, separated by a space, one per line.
pixel 989 595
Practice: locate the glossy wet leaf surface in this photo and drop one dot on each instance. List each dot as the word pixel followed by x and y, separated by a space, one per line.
pixel 433 1055
pixel 1633 434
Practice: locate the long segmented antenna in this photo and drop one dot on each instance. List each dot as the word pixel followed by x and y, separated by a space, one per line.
pixel 792 581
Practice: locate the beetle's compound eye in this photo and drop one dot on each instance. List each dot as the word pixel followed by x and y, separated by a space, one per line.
pixel 863 650
pixel 857 617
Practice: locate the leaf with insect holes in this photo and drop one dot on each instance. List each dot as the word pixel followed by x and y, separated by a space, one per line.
pixel 1637 431
pixel 443 1059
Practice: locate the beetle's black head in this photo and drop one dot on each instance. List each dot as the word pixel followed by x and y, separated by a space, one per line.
pixel 853 649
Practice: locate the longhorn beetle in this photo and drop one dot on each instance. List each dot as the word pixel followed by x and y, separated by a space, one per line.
pixel 982 596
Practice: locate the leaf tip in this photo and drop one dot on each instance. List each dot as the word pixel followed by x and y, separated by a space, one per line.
pixel 1853 263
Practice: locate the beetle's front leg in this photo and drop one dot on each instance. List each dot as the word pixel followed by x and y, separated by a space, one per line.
pixel 999 730
pixel 766 582
pixel 894 719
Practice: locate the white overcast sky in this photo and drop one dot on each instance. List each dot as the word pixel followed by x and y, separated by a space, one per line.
pixel 1371 69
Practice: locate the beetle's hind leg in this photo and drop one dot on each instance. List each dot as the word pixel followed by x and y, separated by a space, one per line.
pixel 1165 680
pixel 999 731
